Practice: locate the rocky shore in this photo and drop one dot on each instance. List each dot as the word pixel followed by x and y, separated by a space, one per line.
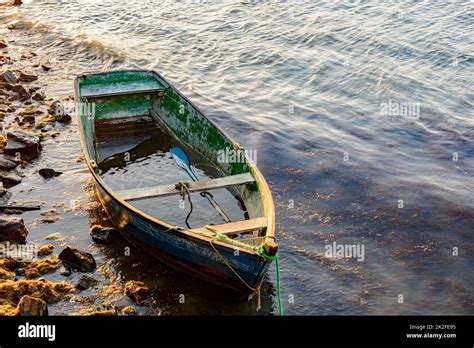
pixel 28 118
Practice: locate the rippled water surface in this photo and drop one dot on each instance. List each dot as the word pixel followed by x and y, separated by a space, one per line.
pixel 307 85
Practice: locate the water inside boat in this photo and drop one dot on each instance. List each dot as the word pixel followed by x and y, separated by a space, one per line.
pixel 137 155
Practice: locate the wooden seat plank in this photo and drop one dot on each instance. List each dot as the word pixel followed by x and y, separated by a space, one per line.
pixel 169 190
pixel 238 227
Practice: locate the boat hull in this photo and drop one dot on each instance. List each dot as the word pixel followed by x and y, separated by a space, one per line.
pixel 193 256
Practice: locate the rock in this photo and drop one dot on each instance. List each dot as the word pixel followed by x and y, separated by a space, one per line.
pixel 20 271
pixel 50 212
pixel 86 282
pixel 103 235
pixel 30 111
pixel 16 2
pixel 45 250
pixel 3 44
pixel 27 144
pixel 56 109
pixel 27 78
pixel 48 173
pixel 3 192
pixel 8 77
pixel 22 91
pixel 29 118
pixel 32 306
pixel 55 236
pixel 38 96
pixel 65 271
pixel 78 259
pixel 31 273
pixel 45 67
pixel 136 291
pixel 64 119
pixel 6 163
pixel 10 180
pixel 13 230
pixel 129 310
pixel 49 220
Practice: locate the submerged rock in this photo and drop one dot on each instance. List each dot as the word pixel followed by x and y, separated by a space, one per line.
pixel 103 235
pixel 32 306
pixel 57 111
pixel 129 310
pixel 38 96
pixel 79 259
pixel 24 94
pixel 64 271
pixel 10 180
pixel 6 163
pixel 12 292
pixel 8 77
pixel 55 236
pixel 49 173
pixel 136 291
pixel 86 282
pixel 45 250
pixel 27 78
pixel 13 229
pixel 25 143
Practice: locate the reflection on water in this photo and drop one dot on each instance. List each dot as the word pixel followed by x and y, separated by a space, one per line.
pixel 304 84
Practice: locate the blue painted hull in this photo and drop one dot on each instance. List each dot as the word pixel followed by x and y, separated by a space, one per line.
pixel 185 253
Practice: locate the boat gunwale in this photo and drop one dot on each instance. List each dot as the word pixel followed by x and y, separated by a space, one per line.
pixel 265 194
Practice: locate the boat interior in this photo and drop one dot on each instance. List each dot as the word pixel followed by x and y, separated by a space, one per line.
pixel 131 121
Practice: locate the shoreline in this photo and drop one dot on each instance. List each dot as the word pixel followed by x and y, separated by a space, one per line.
pixel 31 120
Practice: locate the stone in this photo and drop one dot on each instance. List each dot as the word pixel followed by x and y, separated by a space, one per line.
pixel 25 143
pixel 10 180
pixel 78 259
pixel 8 77
pixel 3 44
pixel 103 235
pixel 55 236
pixel 24 94
pixel 45 250
pixel 136 291
pixel 29 118
pixel 65 271
pixel 129 310
pixel 48 173
pixel 27 78
pixel 86 282
pixel 13 229
pixel 38 96
pixel 57 111
pixel 6 163
pixel 45 67
pixel 32 306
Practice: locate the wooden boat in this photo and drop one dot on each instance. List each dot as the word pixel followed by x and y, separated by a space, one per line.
pixel 236 254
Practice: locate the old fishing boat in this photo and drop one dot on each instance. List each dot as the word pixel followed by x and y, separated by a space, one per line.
pixel 162 172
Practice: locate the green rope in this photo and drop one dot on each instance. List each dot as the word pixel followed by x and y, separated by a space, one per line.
pixel 262 253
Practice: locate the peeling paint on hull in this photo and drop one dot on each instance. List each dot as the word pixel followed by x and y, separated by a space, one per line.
pixel 184 253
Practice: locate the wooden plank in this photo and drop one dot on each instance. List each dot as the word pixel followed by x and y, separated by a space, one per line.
pixel 121 88
pixel 169 190
pixel 234 227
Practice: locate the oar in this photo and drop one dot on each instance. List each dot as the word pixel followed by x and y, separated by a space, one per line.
pixel 182 161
